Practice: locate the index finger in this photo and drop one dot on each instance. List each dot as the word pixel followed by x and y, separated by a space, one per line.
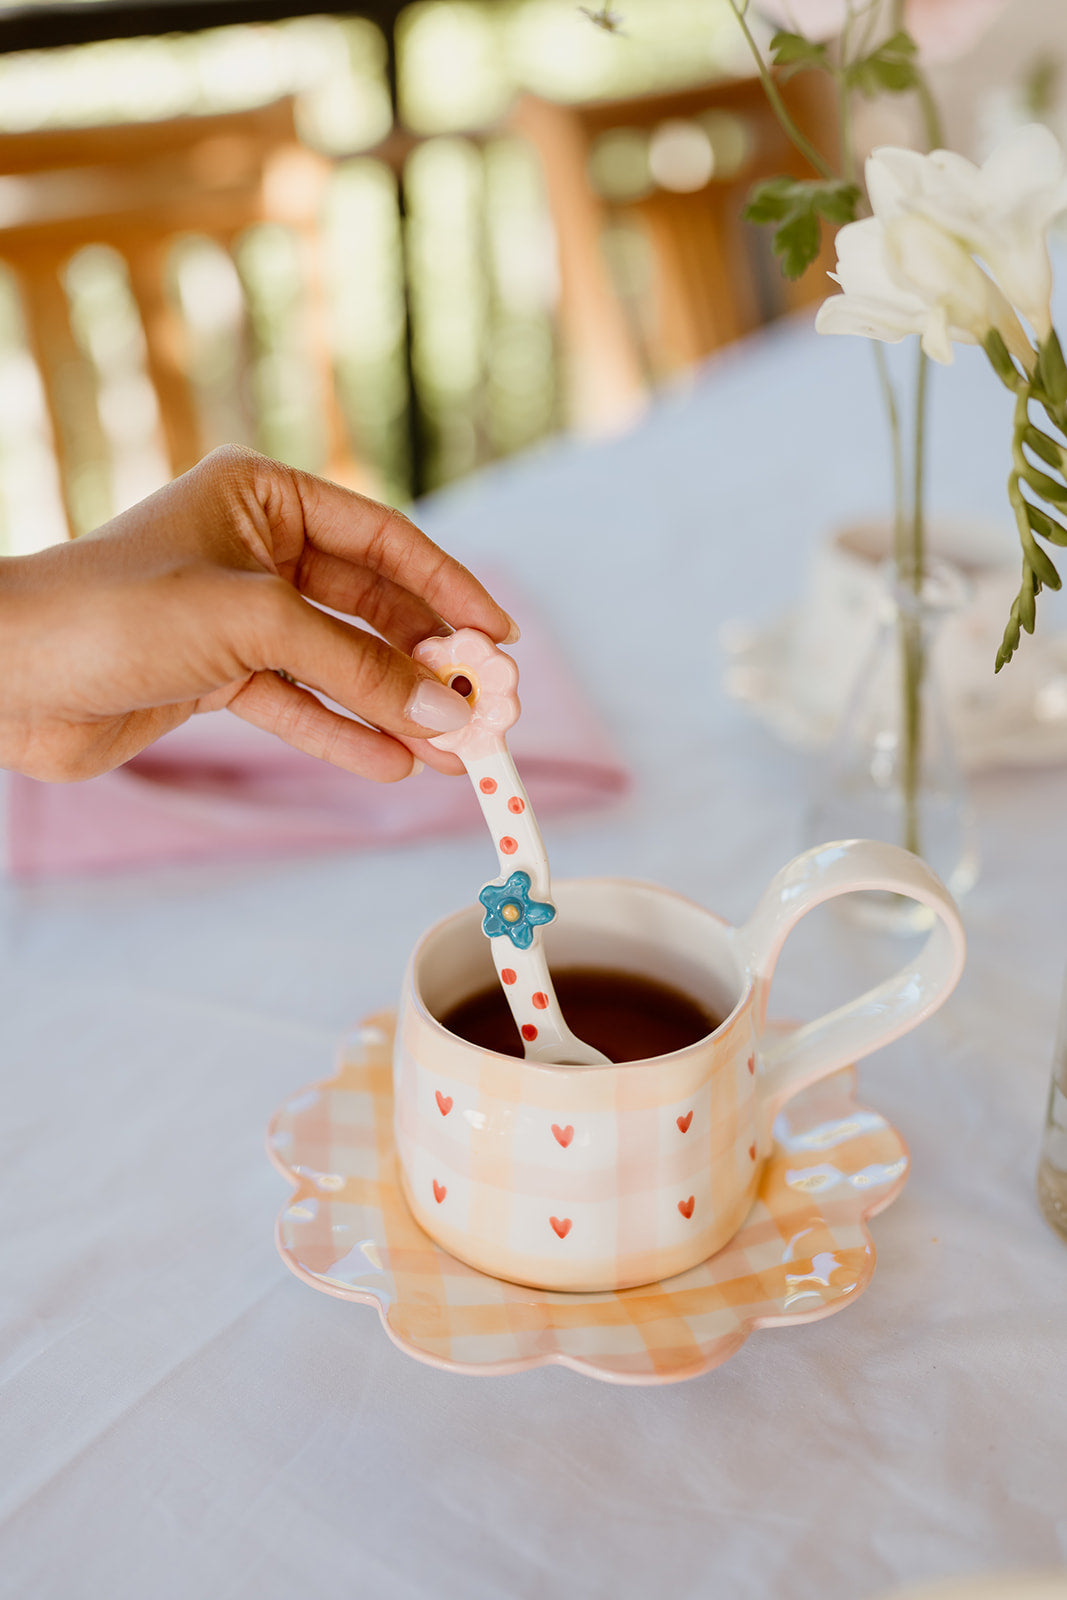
pixel 347 525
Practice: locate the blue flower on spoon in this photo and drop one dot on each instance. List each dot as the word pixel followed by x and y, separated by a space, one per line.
pixel 509 910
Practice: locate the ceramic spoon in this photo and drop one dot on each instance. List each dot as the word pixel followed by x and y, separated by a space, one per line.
pixel 518 904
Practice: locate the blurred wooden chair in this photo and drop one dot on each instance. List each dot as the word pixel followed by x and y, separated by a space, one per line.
pixel 693 155
pixel 138 189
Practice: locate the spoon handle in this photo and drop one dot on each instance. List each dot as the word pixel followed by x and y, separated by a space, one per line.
pixel 519 903
pixel 526 889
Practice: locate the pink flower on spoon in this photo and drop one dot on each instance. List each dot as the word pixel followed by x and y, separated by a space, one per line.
pixel 469 657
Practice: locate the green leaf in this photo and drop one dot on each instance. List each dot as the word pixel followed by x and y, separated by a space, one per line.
pixel 1041 565
pixel 791 52
pixel 1052 370
pixel 1010 642
pixel 900 45
pixel 1040 443
pixel 836 202
pixel 797 242
pixel 796 206
pixel 1000 358
pixel 874 76
pixel 1027 607
pixel 891 69
pixel 771 201
pixel 1046 526
pixel 1045 486
pixel 780 199
pixel 1057 415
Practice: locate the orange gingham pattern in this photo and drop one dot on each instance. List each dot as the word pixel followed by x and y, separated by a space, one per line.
pixel 499 1177
pixel 803 1251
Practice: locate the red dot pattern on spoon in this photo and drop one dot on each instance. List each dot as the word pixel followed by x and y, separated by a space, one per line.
pixel 510 817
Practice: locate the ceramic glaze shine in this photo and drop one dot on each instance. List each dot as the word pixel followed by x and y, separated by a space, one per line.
pixel 518 904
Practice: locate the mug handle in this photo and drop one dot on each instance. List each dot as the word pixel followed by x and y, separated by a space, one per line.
pixel 801 1056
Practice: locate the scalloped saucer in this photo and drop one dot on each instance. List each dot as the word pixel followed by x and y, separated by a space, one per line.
pixel 803 1251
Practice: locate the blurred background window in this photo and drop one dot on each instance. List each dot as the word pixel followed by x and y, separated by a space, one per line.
pixel 441 299
pixel 408 242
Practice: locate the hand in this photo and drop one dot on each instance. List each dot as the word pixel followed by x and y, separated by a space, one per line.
pixel 198 598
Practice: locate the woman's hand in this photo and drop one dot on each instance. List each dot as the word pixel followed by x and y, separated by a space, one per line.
pixel 198 598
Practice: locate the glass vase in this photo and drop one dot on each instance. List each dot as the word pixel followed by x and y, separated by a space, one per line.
pixel 891 770
pixel 1052 1168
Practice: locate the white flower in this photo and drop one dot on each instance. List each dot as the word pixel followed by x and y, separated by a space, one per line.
pixel 999 212
pixel 908 277
pixel 873 304
pixel 953 249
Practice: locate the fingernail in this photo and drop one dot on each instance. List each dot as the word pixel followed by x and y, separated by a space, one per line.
pixel 513 635
pixel 434 706
pixel 416 768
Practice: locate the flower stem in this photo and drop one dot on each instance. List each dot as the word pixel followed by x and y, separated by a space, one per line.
pixel 896 445
pixel 872 14
pixel 909 554
pixel 844 104
pixel 933 129
pixel 848 151
pixel 918 520
pixel 912 651
pixel 770 89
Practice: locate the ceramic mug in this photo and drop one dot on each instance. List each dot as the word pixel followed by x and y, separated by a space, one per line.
pixel 605 1177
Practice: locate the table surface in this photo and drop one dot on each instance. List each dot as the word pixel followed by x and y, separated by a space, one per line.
pixel 182 1417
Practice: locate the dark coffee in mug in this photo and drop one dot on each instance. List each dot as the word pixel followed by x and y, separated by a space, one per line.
pixel 629 1018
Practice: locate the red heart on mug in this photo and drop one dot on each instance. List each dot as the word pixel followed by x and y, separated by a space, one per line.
pixel 686 1206
pixel 752 1065
pixel 683 1122
pixel 439 1191
pixel 444 1103
pixel 561 1226
pixel 752 1152
pixel 564 1135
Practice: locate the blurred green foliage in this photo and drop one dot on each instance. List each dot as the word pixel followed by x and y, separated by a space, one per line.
pixel 481 263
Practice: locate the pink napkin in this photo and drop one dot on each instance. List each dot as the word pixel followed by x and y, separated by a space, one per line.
pixel 218 788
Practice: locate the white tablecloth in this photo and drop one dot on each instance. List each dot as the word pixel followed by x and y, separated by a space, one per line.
pixel 180 1417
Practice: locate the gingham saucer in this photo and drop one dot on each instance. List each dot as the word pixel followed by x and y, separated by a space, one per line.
pixel 803 1252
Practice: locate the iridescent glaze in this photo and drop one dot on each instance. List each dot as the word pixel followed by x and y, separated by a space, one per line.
pixel 802 1252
